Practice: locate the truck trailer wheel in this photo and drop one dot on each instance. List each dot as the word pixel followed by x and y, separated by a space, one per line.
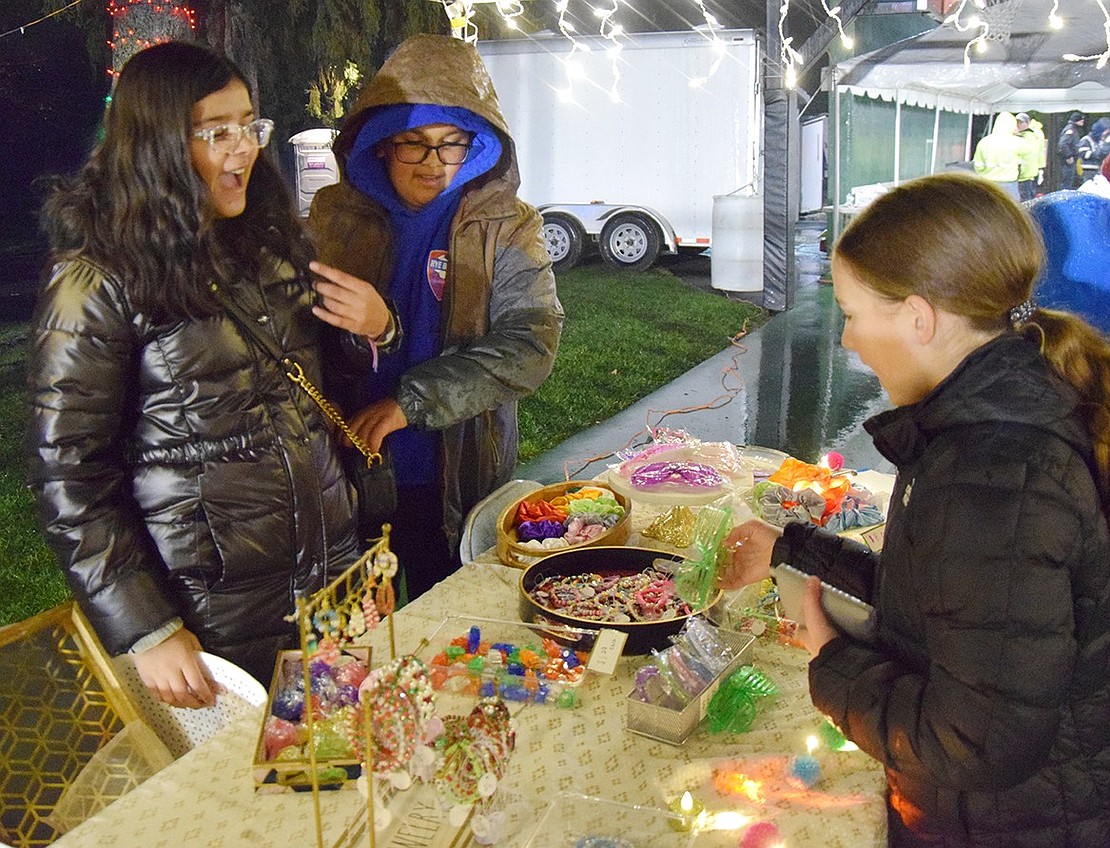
pixel 631 242
pixel 564 239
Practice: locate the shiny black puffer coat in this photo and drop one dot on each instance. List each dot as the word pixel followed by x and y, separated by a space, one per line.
pixel 987 697
pixel 178 471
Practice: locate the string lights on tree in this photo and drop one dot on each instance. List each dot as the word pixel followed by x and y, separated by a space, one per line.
pixel 138 24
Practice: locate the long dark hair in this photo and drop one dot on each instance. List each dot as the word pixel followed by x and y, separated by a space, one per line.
pixel 139 209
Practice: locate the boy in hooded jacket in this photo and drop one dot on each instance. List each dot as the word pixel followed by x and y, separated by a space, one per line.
pixel 459 316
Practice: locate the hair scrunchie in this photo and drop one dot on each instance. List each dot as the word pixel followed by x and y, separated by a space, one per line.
pixel 1021 313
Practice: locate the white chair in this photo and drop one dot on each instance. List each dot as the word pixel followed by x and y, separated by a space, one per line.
pixel 480 528
pixel 183 729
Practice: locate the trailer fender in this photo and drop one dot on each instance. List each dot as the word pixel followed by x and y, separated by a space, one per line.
pixel 592 217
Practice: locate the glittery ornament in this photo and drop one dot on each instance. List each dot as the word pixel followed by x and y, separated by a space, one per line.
pixel 349 672
pixel 330 741
pixel 278 734
pixel 675 527
pixel 288 705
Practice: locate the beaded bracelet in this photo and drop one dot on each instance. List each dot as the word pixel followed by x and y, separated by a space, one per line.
pixel 402 702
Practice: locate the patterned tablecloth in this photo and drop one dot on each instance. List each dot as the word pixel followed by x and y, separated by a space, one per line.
pixel 206 798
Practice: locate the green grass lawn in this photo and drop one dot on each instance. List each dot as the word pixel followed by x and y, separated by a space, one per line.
pixel 625 336
pixel 29 578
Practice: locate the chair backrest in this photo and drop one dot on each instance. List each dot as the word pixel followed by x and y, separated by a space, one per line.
pixel 480 528
pixel 59 706
pixel 182 729
pixel 1075 226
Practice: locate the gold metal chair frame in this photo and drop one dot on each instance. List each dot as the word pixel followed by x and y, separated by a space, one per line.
pixel 60 703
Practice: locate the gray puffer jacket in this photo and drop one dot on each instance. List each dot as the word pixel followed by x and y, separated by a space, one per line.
pixel 987 696
pixel 178 471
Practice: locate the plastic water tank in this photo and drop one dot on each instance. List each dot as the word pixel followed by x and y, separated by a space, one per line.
pixel 736 258
pixel 315 164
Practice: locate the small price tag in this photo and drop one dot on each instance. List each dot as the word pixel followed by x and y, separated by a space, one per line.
pixel 607 650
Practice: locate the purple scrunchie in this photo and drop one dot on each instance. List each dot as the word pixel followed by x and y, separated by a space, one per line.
pixel 682 473
pixel 545 529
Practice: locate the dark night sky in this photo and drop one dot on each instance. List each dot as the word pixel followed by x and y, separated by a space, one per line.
pixel 50 101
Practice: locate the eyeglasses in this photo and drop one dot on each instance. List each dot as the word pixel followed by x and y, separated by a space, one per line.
pixel 226 137
pixel 415 152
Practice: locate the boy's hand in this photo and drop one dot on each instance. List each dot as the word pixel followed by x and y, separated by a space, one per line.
pixel 348 302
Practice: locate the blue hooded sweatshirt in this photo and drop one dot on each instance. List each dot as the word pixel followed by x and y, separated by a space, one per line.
pixel 420 266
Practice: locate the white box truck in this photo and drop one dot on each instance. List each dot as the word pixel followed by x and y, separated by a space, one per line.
pixel 630 163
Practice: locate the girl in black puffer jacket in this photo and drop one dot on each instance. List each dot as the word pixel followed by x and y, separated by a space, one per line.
pixel 986 694
pixel 189 489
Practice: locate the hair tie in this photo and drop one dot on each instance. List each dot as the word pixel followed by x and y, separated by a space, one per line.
pixel 1021 313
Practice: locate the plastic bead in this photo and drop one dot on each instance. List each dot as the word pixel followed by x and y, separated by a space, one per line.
pixel 567 699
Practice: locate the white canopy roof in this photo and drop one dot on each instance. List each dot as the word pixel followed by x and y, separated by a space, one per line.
pixel 1024 72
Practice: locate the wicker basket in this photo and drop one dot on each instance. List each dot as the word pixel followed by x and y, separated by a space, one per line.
pixel 511 552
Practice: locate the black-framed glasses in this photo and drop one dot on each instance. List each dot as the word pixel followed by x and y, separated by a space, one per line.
pixel 415 152
pixel 226 137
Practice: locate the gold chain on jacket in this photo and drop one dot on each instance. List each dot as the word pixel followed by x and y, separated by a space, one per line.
pixel 295 372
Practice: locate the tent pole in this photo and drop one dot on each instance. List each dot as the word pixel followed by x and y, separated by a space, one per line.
pixel 897 136
pixel 836 158
pixel 936 138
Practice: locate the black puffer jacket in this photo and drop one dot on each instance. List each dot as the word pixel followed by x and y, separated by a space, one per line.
pixel 987 697
pixel 178 471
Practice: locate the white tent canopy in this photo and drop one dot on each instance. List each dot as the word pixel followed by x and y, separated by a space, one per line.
pixel 1024 71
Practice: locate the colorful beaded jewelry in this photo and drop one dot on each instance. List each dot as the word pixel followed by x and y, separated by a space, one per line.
pixel 647 596
pixel 475 751
pixel 401 703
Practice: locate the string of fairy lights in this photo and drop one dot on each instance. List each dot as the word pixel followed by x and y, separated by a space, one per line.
pixel 141 23
pixel 970 16
pixel 978 19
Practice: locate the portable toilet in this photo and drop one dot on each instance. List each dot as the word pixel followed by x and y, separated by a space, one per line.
pixel 315 164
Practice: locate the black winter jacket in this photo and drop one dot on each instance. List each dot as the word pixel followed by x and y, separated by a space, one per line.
pixel 178 471
pixel 987 695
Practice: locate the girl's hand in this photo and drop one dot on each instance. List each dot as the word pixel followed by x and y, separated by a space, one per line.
pixel 751 544
pixel 377 421
pixel 348 302
pixel 818 630
pixel 173 672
